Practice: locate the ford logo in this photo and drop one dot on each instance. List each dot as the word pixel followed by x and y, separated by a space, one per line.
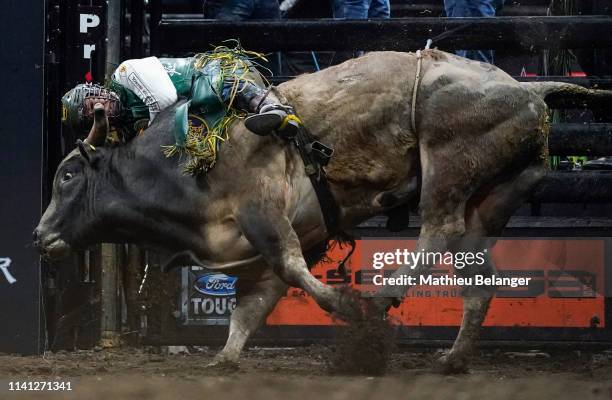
pixel 216 285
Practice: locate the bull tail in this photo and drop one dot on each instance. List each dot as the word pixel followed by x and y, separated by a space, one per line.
pixel 557 92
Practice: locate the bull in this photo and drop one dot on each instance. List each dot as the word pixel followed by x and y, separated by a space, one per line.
pixel 470 148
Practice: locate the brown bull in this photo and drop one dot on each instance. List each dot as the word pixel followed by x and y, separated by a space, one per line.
pixel 478 149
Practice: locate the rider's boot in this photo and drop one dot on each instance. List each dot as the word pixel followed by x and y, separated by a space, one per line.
pixel 269 115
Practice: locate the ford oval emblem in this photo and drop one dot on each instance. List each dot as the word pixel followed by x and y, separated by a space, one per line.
pixel 216 285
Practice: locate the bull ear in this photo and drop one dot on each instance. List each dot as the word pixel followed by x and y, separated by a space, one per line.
pixel 99 129
pixel 83 150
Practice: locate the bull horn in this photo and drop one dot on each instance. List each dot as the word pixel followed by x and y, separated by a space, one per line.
pixel 100 127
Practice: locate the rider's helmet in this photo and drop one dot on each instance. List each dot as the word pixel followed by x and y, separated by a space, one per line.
pixel 78 106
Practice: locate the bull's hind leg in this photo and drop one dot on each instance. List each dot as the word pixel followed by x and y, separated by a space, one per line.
pixel 487 215
pixel 255 299
pixel 442 208
pixel 476 300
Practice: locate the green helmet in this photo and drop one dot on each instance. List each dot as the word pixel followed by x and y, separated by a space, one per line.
pixel 78 103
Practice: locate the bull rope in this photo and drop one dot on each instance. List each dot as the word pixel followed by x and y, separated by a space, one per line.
pixel 417 80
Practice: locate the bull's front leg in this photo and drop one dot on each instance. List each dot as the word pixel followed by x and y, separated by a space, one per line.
pixel 272 235
pixel 255 299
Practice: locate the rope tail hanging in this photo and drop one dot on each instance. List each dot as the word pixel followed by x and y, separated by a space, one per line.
pixel 339 239
pixel 342 265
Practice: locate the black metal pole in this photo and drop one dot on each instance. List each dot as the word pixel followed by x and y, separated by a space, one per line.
pixel 575 187
pixel 136 28
pixel 155 18
pixel 580 139
pixel 113 37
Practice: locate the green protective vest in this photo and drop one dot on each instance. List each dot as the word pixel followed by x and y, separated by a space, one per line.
pixel 202 87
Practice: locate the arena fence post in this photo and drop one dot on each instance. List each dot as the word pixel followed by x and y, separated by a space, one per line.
pixel 110 307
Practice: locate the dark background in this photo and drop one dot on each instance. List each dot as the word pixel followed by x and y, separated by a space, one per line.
pixel 21 148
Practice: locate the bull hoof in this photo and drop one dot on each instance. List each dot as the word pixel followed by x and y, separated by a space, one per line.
pixel 451 364
pixel 222 365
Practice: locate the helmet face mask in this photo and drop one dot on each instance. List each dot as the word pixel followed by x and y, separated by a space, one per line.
pixel 78 106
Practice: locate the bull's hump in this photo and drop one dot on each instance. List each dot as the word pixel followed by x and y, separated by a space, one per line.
pixel 376 72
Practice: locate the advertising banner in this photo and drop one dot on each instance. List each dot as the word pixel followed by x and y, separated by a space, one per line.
pixel 207 297
pixel 541 283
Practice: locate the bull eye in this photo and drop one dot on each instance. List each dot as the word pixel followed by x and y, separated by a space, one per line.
pixel 67 177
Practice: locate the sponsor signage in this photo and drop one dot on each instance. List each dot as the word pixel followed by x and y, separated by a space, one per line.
pixel 207 297
pixel 216 285
pixel 85 44
pixel 566 288
pixel 561 285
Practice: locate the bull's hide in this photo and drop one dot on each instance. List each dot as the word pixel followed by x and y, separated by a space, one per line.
pixel 478 149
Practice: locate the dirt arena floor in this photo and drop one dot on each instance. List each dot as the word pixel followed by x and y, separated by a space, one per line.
pixel 303 373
